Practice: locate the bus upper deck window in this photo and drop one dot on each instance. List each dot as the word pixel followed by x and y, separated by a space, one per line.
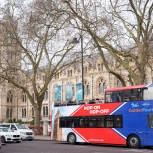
pixel 81 123
pixel 115 97
pixel 107 97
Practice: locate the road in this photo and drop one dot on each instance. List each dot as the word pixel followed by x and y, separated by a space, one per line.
pixel 56 147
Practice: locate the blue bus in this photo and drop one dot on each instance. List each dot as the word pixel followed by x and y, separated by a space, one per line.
pixel 125 118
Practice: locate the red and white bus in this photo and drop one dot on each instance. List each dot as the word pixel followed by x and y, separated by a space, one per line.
pixel 125 118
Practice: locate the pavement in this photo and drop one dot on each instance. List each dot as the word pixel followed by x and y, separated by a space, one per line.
pixel 42 138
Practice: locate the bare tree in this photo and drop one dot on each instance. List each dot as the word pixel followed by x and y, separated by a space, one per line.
pixel 34 41
pixel 121 28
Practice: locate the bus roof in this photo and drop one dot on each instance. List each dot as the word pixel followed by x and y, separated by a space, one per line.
pixel 125 88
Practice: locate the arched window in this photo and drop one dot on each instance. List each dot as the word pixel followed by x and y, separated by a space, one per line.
pixel 10 96
pixel 100 86
pixel 9 112
pixel 45 111
pixel 33 112
pixel 86 88
pixel 69 73
pixel 24 113
pixel 104 86
pixel 24 97
pixel 46 95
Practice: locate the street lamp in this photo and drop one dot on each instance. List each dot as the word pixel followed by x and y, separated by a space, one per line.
pixel 76 41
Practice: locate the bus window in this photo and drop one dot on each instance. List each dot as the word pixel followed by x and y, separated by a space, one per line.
pixel 109 121
pixel 126 95
pixel 75 122
pixel 117 121
pixel 72 122
pixel 69 122
pixel 100 121
pixel 108 97
pixel 81 123
pixel 86 122
pixel 119 96
pixel 132 95
pixel 113 96
pixel 150 120
pixel 92 122
pixel 62 122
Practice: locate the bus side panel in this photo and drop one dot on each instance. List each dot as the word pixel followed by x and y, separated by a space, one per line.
pixel 66 131
pixel 57 133
pixel 135 121
pixel 100 135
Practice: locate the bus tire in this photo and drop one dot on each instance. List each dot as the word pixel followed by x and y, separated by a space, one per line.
pixel 133 141
pixel 71 138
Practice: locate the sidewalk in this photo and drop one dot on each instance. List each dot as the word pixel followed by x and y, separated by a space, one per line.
pixel 42 138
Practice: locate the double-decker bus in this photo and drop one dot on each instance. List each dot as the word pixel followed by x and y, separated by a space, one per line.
pixel 125 118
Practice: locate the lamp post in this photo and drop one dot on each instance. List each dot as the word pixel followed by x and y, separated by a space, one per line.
pixel 76 41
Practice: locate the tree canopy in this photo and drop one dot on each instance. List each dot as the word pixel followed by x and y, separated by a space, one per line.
pixel 121 28
pixel 34 41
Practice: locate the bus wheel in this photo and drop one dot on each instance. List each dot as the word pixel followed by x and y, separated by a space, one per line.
pixel 71 138
pixel 133 141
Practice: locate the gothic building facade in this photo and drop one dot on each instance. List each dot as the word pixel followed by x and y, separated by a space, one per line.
pixel 65 86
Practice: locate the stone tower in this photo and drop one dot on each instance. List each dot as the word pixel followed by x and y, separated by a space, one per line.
pixel 57 134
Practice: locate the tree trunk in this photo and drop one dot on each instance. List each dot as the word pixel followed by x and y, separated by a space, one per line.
pixel 37 116
pixel 37 127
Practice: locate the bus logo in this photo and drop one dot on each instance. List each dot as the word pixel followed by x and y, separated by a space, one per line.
pixel 146 104
pixel 134 105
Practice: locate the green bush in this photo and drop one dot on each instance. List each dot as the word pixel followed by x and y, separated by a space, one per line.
pixel 10 120
pixel 33 121
pixel 14 120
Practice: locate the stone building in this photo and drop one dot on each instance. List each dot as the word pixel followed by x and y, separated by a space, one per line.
pixel 14 103
pixel 63 88
pixel 9 58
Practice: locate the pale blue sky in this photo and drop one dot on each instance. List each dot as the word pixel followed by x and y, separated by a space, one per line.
pixel 2 2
